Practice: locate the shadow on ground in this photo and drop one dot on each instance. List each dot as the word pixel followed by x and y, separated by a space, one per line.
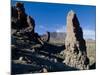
pixel 43 57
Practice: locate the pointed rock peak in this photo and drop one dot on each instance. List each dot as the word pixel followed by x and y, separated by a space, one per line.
pixel 71 13
pixel 72 20
pixel 75 52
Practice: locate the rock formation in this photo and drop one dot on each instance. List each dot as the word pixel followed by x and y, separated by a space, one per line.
pixel 75 52
pixel 36 54
pixel 30 52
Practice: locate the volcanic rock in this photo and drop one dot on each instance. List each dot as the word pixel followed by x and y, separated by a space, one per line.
pixel 75 52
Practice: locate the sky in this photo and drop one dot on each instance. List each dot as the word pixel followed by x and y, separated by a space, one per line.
pixel 52 17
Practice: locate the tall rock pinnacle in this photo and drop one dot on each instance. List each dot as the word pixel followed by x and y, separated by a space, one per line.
pixel 75 53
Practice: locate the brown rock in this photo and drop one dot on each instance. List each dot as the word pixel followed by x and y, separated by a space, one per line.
pixel 75 53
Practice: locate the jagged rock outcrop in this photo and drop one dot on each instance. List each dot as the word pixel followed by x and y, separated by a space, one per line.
pixel 75 52
pixel 30 52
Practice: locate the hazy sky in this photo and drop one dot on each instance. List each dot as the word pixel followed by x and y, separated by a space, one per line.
pixel 52 17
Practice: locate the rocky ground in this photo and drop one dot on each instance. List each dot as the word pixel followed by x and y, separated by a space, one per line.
pixel 32 57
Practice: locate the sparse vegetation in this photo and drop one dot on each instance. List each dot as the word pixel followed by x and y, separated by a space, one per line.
pixel 91 51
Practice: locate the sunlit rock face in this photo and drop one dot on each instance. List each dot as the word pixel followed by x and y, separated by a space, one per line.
pixel 75 52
